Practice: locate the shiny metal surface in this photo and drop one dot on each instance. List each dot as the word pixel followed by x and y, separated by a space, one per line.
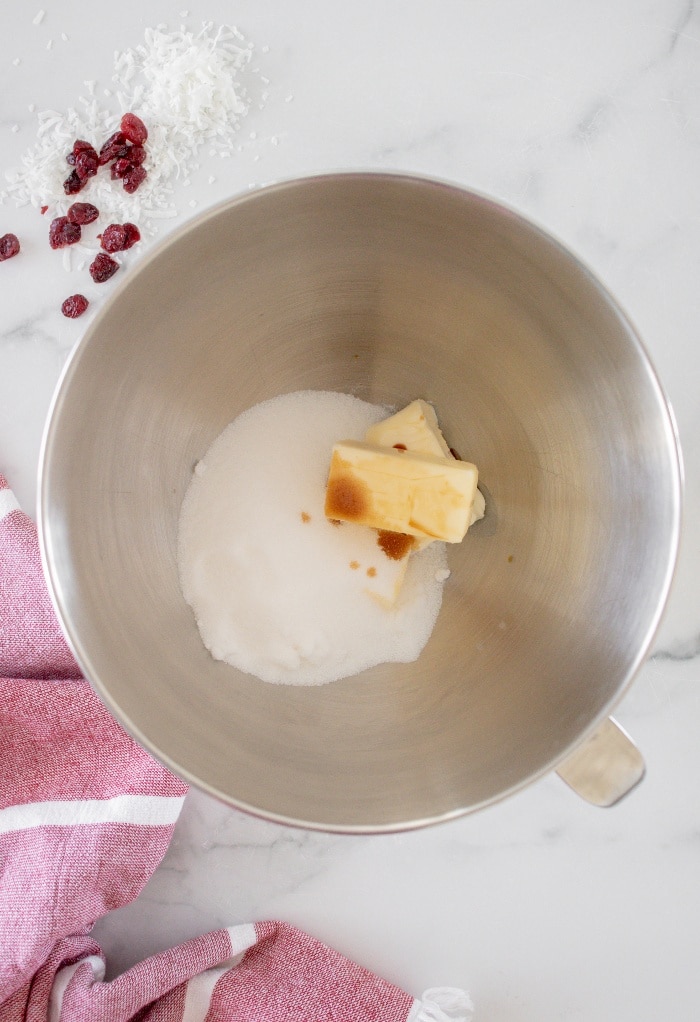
pixel 605 767
pixel 390 288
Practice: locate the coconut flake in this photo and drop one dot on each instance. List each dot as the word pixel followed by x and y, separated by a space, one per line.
pixel 187 89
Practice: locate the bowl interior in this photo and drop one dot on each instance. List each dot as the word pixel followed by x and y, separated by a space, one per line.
pixel 388 288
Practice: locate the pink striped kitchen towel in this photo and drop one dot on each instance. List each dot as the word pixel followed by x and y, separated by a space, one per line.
pixel 85 818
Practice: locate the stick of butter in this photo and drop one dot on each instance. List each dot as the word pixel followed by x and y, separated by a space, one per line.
pixel 415 427
pixel 391 489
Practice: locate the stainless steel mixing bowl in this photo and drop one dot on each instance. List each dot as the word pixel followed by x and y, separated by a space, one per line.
pixel 390 288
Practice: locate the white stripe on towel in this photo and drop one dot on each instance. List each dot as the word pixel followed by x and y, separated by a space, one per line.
pixel 148 810
pixel 200 988
pixel 8 503
pixel 198 993
pixel 63 978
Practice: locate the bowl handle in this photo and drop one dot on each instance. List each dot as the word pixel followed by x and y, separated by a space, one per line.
pixel 605 767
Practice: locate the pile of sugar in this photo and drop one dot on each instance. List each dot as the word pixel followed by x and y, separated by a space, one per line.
pixel 277 590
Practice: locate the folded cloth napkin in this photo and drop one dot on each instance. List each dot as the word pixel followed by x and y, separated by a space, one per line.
pixel 86 816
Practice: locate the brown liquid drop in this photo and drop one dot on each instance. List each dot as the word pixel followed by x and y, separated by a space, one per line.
pixel 305 516
pixel 394 544
pixel 346 498
pixel 371 572
pixel 400 447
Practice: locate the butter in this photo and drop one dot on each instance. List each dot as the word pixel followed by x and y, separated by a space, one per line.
pixel 383 578
pixel 401 491
pixel 415 427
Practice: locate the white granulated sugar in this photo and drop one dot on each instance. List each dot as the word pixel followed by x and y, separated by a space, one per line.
pixel 187 89
pixel 277 590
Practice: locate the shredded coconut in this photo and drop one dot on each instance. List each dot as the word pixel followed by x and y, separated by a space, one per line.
pixel 186 88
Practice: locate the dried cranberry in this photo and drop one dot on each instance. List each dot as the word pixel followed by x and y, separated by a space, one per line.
pixel 73 183
pixel 43 209
pixel 9 246
pixel 82 213
pixel 133 234
pixel 103 267
pixel 136 154
pixel 118 237
pixel 133 178
pixel 112 148
pixel 79 146
pixel 113 238
pixel 62 232
pixel 120 168
pixel 134 129
pixel 86 163
pixel 74 306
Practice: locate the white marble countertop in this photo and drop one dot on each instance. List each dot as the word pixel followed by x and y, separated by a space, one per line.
pixel 586 118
